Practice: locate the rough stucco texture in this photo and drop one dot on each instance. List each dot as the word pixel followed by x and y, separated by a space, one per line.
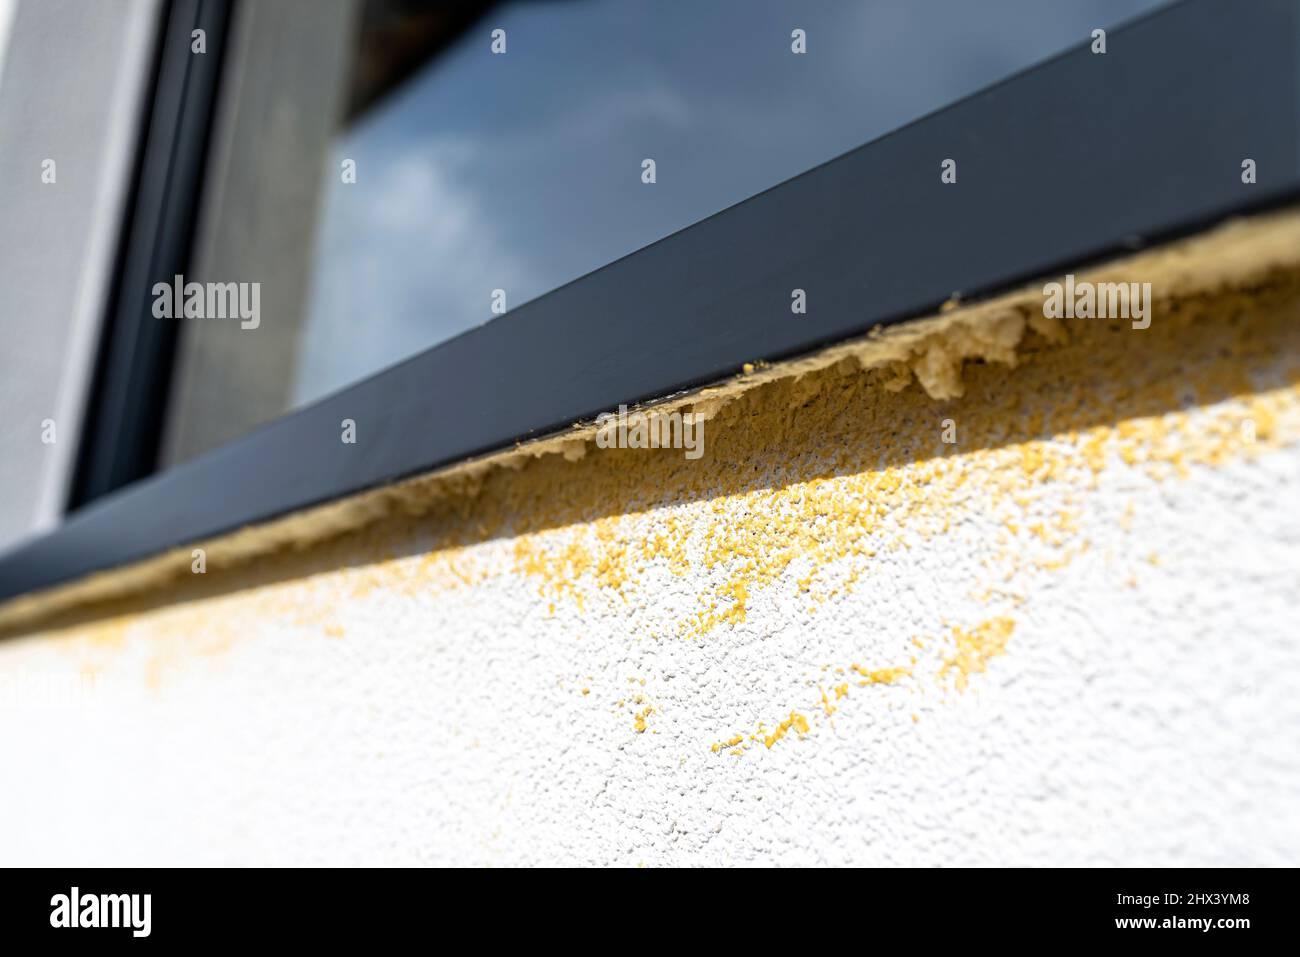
pixel 1068 637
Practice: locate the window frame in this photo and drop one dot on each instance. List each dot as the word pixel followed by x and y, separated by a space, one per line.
pixel 124 417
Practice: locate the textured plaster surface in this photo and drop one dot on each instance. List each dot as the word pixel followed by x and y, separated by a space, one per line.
pixel 1067 637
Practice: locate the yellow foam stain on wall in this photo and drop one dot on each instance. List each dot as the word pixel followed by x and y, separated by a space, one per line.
pixel 879 676
pixel 560 570
pixel 848 510
pixel 796 721
pixel 801 723
pixel 734 596
pixel 827 707
pixel 974 647
pixel 639 719
pixel 171 638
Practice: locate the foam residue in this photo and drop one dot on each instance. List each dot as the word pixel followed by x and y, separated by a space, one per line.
pixel 1241 259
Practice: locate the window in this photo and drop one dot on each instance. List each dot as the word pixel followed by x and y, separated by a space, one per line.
pixel 486 179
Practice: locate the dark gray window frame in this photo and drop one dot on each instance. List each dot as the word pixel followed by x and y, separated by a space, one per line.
pixel 1074 160
pixel 124 418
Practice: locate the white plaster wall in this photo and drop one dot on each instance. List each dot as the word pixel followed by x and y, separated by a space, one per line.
pixel 1145 710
